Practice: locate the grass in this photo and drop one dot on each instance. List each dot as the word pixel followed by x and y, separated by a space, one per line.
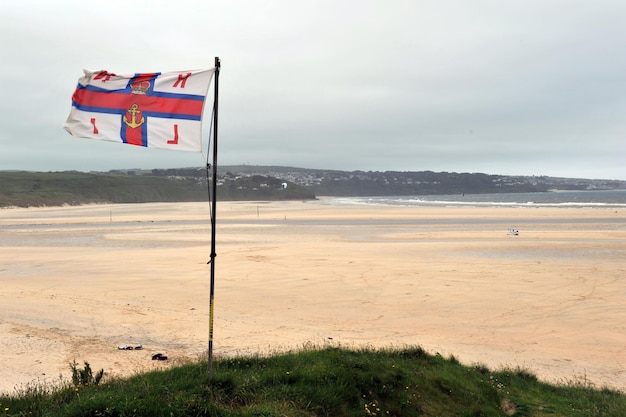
pixel 36 189
pixel 328 381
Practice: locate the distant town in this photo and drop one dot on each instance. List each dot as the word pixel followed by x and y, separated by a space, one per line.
pixel 386 183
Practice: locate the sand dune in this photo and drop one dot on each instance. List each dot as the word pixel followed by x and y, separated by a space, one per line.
pixel 79 281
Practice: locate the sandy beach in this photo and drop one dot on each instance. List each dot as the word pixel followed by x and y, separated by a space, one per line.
pixel 77 282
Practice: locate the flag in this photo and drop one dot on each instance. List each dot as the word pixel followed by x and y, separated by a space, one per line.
pixel 156 110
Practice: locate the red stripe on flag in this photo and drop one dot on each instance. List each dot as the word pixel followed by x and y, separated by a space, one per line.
pixel 134 136
pixel 147 103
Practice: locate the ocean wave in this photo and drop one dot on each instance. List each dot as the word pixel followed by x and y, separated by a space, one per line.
pixel 570 199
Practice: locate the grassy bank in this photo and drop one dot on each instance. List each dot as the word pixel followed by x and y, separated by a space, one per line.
pixel 37 189
pixel 319 382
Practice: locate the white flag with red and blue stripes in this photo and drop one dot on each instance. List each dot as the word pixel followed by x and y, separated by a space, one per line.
pixel 156 110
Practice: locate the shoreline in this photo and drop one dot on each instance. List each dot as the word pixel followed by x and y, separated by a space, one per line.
pixel 78 281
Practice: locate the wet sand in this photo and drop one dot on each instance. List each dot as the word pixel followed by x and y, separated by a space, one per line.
pixel 77 282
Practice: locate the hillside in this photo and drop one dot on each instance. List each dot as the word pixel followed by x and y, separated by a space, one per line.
pixel 319 382
pixel 388 183
pixel 247 182
pixel 26 189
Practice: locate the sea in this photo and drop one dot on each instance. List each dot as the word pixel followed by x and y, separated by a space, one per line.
pixel 575 199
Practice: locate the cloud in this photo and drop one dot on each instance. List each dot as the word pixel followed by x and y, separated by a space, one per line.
pixel 521 87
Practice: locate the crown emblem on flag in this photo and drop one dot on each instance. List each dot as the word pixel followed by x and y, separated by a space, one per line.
pixel 140 87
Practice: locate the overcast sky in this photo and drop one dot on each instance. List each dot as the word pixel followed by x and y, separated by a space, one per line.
pixel 519 87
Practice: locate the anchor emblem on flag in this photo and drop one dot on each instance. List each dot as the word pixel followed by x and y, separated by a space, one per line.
pixel 133 111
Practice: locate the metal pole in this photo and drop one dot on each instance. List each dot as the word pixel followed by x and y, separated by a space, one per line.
pixel 213 212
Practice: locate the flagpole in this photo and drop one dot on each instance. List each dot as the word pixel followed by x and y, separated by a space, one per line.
pixel 213 215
